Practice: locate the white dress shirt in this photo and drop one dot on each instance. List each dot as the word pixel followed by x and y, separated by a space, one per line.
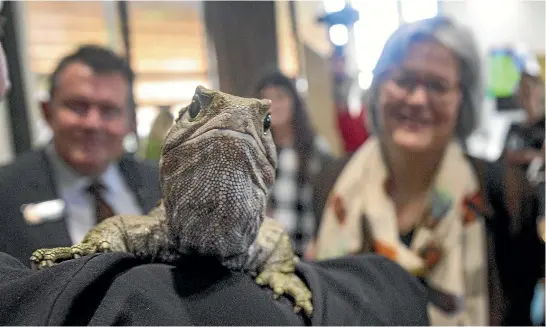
pixel 79 204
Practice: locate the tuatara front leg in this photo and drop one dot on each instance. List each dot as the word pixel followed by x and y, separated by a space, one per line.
pixel 104 237
pixel 273 246
pixel 43 258
pixel 142 236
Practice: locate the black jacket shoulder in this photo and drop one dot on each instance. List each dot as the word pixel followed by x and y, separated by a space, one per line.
pixel 365 290
pixel 116 289
pixel 13 173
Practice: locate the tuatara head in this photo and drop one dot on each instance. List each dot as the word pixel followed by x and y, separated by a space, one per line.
pixel 218 162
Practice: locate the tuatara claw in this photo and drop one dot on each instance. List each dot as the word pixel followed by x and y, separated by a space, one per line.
pixel 46 264
pixel 104 247
pixel 76 251
pixel 44 258
pixel 307 306
pixel 37 256
pixel 290 284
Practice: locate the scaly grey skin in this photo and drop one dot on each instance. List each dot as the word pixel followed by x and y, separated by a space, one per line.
pixel 218 162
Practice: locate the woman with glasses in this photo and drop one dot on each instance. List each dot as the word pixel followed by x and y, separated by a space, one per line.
pixel 411 193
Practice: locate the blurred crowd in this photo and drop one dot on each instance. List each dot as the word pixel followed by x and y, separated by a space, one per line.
pixel 471 231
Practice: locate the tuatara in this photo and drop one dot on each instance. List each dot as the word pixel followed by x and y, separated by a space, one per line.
pixel 217 165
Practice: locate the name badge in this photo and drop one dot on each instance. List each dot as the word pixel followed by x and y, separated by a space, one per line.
pixel 37 213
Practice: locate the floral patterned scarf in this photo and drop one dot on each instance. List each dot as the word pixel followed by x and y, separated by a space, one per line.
pixel 447 250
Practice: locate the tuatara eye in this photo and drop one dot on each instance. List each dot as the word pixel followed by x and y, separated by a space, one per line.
pixel 195 107
pixel 267 122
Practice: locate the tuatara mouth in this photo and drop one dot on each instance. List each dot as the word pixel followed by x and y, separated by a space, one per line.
pixel 225 132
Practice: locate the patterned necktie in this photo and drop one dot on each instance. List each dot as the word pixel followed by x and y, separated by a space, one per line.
pixel 103 210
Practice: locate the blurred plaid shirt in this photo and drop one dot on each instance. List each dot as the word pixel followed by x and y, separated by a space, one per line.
pixel 291 203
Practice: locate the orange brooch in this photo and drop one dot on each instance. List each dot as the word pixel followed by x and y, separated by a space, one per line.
pixel 431 255
pixel 472 207
pixel 339 209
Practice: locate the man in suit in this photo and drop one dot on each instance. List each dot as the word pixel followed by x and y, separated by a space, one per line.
pixel 51 197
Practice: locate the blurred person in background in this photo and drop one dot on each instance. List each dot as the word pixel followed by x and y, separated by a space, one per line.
pixel 301 155
pixel 524 148
pixel 525 140
pixel 352 128
pixel 52 196
pixel 162 123
pixel 412 194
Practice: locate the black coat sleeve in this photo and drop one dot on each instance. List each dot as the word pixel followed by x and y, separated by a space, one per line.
pixel 115 289
pixel 365 290
pixel 66 294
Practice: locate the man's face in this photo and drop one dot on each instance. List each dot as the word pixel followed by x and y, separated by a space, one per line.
pixel 89 117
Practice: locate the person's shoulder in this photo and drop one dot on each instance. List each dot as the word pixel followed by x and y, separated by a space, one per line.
pixel 141 162
pixel 57 292
pixel 330 171
pixel 370 288
pixel 201 286
pixel 142 166
pixel 17 170
pixel 373 267
pixel 479 165
pixel 497 170
pixel 20 162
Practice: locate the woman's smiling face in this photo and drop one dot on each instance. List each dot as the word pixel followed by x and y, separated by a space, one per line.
pixel 419 99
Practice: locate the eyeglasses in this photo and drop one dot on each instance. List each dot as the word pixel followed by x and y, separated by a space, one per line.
pixel 435 87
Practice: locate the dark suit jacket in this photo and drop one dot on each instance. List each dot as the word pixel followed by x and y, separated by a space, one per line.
pixel 115 289
pixel 29 179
